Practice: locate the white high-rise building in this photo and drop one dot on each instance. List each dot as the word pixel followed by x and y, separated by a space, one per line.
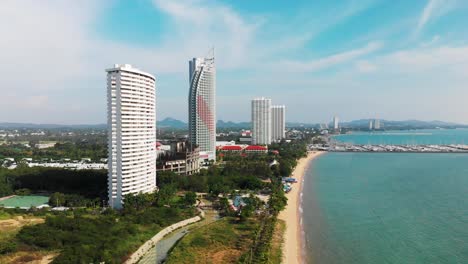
pixel 278 122
pixel 376 124
pixel 336 123
pixel 202 106
pixel 371 124
pixel 131 125
pixel 261 121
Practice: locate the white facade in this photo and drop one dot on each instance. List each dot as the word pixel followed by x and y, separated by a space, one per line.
pixel 371 124
pixel 131 124
pixel 336 122
pixel 202 105
pixel 261 121
pixel 376 124
pixel 278 122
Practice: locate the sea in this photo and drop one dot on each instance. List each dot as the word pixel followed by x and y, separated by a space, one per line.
pixel 388 207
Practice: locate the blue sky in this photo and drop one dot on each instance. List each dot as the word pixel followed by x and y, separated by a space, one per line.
pixel 354 59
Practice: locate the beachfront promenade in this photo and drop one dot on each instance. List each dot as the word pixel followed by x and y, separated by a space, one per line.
pixel 347 147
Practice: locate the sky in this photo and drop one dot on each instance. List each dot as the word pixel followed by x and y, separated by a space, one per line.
pixel 393 60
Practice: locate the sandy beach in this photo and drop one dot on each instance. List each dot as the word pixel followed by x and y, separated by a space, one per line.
pixel 292 237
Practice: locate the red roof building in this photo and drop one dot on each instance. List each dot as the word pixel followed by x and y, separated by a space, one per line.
pixel 235 148
pixel 256 149
pixel 244 149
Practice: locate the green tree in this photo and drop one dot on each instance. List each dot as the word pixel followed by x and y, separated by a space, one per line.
pixel 165 194
pixel 190 198
pixel 138 201
pixel 57 199
pixel 246 212
pixel 23 191
pixel 7 247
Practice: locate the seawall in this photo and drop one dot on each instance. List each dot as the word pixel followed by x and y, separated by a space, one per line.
pixel 143 249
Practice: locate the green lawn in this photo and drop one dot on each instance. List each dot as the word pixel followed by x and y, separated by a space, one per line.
pixel 24 201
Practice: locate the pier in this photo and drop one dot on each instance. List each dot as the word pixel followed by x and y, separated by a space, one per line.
pixel 347 147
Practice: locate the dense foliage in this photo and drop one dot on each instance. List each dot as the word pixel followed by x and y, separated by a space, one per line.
pixel 92 236
pixel 108 237
pixel 74 150
pixel 90 184
pixel 260 250
pixel 214 181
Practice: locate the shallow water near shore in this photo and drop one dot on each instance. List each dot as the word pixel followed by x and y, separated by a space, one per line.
pixel 386 208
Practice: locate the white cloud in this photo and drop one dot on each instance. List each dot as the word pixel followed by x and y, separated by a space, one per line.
pixel 434 9
pixel 200 25
pixel 427 12
pixel 332 60
pixel 434 40
pixel 50 47
pixel 447 59
pixel 53 61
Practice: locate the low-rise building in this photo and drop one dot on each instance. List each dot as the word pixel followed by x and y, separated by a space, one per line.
pixel 225 143
pixel 234 148
pixel 247 149
pixel 183 158
pixel 256 149
pixel 45 145
pixel 246 133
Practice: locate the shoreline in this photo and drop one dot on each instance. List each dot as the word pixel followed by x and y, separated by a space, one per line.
pixel 293 239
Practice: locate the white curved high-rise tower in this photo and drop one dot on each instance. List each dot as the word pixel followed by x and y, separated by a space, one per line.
pixel 202 106
pixel 131 124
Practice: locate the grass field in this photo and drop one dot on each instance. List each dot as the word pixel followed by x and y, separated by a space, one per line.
pixel 277 243
pixel 10 225
pixel 223 241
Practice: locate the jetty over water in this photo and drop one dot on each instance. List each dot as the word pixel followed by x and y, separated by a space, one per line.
pixel 347 147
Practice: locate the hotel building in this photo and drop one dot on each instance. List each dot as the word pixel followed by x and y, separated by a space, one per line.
pixel 377 124
pixel 131 124
pixel 278 122
pixel 261 121
pixel 202 106
pixel 336 123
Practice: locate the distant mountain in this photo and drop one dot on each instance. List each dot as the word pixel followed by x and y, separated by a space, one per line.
pixel 230 124
pixel 169 122
pixel 300 124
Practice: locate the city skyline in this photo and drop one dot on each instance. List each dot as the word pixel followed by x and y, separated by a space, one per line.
pixel 357 59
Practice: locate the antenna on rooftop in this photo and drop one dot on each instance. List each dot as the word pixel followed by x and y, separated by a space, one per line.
pixel 211 53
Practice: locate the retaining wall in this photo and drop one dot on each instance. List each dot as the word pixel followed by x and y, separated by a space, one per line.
pixel 137 255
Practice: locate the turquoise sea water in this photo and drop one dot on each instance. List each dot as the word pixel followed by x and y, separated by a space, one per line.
pixel 386 208
pixel 408 137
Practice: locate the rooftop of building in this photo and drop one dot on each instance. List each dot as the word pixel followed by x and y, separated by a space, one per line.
pixel 235 147
pixel 129 68
pixel 256 147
